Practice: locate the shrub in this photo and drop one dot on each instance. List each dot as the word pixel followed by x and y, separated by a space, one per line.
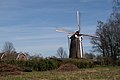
pixel 46 64
pixel 80 63
pixel 27 69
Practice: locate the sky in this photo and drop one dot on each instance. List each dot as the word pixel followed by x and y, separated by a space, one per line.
pixel 30 24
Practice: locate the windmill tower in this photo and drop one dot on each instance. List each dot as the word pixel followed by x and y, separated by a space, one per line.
pixel 75 41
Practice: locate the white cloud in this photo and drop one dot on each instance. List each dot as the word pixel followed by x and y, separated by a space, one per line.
pixel 44 49
pixel 22 38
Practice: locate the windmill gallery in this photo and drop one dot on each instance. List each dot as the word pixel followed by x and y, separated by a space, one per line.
pixel 75 40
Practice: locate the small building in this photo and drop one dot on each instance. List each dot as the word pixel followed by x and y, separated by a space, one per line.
pixel 14 56
pixel 22 56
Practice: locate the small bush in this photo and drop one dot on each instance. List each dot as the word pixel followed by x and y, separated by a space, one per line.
pixel 27 69
pixel 46 64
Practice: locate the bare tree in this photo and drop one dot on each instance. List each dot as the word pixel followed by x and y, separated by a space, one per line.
pixel 61 53
pixel 9 51
pixel 90 56
pixel 8 47
pixel 108 42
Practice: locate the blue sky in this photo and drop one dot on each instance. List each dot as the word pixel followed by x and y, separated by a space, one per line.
pixel 30 24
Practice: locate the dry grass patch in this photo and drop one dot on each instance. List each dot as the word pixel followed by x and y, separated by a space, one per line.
pixel 6 69
pixel 98 73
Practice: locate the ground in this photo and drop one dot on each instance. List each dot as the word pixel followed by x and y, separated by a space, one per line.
pixel 96 73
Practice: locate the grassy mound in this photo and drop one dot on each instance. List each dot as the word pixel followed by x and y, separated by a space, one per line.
pixel 68 67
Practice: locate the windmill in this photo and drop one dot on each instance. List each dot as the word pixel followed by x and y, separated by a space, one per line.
pixel 75 40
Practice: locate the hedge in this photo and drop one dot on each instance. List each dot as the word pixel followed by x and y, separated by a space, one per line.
pixel 50 64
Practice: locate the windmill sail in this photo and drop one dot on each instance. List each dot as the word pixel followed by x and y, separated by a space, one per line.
pixel 80 47
pixel 78 20
pixel 68 33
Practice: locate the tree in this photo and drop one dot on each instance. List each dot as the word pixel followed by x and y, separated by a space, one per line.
pixel 89 56
pixel 8 47
pixel 61 53
pixel 9 51
pixel 108 42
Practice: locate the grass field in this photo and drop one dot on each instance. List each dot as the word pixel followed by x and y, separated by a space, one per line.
pixel 97 73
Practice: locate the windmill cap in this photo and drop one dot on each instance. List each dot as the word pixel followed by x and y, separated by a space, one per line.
pixel 77 32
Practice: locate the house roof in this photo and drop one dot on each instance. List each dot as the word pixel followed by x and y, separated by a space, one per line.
pixel 1 54
pixel 20 54
pixel 16 55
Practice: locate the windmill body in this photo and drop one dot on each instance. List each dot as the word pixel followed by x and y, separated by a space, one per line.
pixel 74 46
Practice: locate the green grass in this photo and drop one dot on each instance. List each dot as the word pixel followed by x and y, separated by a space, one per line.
pixel 97 73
